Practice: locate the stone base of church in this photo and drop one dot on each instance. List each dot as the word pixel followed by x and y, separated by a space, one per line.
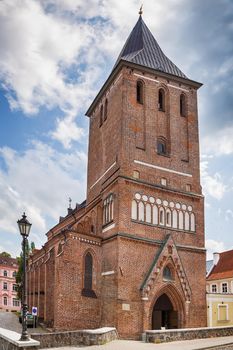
pixel 168 335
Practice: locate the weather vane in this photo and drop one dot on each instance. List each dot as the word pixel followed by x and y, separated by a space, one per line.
pixel 140 11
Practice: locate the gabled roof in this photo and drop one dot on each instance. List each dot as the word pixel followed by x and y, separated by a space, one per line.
pixel 8 261
pixel 224 267
pixel 167 254
pixel 142 48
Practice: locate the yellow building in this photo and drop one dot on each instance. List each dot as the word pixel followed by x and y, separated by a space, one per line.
pixel 220 290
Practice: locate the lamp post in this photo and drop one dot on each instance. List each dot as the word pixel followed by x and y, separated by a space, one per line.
pixel 24 229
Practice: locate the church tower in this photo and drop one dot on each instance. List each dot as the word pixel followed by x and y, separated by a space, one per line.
pixel 143 170
pixel 132 255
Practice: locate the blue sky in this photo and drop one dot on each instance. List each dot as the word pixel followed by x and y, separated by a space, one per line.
pixel 54 57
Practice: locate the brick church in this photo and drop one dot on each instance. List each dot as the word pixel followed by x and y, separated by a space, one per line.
pixel 132 255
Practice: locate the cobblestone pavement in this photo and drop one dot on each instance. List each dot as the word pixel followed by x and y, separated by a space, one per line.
pixel 196 344
pixel 9 320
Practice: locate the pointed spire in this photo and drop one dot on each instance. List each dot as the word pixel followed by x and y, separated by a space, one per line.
pixel 140 10
pixel 141 48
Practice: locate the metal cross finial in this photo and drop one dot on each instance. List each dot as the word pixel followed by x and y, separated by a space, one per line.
pixel 70 200
pixel 140 11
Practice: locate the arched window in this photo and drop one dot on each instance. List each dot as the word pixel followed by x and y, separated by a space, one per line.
pixel 88 276
pixel 181 220
pixel 182 105
pixel 161 146
pixel 101 115
pixel 192 222
pixel 148 213
pixel 155 214
pixel 108 210
pixel 88 272
pixel 161 216
pixel 140 92
pixel 186 221
pixel 134 209
pixel 141 211
pixel 168 217
pixel 174 218
pixel 161 103
pixel 167 275
pixel 105 109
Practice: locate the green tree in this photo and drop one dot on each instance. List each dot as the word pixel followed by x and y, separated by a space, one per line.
pixel 19 274
pixel 5 255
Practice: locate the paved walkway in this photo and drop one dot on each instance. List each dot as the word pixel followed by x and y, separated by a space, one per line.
pixel 196 344
pixel 10 320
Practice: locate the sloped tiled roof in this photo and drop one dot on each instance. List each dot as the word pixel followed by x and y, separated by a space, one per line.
pixel 7 261
pixel 224 267
pixel 142 48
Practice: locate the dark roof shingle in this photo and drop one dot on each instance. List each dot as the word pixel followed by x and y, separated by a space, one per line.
pixel 142 48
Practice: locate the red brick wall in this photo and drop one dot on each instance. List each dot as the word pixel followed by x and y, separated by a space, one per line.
pixel 130 133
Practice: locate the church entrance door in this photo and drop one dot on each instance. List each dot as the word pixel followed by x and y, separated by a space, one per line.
pixel 163 314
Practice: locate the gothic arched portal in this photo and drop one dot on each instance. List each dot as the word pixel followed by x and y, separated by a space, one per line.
pixel 164 314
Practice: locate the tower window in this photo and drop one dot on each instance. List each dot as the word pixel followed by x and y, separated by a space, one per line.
pixel 182 105
pixel 139 92
pixel 105 109
pixel 101 115
pixel 168 217
pixel 162 146
pixel 188 187
pixel 136 174
pixel 163 181
pixel 134 210
pixel 108 210
pixel 161 104
pixel 161 216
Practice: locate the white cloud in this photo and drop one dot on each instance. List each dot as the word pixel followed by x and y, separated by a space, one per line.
pixel 53 52
pixel 212 184
pixel 67 131
pixel 213 246
pixel 219 143
pixel 228 215
pixel 39 181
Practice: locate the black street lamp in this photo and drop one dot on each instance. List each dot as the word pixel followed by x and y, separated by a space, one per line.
pixel 24 229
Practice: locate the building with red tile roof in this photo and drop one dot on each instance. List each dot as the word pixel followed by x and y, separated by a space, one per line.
pixel 220 290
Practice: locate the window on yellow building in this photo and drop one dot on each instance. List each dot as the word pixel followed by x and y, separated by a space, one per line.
pixel 222 313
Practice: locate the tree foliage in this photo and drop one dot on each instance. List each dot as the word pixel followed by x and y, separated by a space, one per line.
pixel 5 255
